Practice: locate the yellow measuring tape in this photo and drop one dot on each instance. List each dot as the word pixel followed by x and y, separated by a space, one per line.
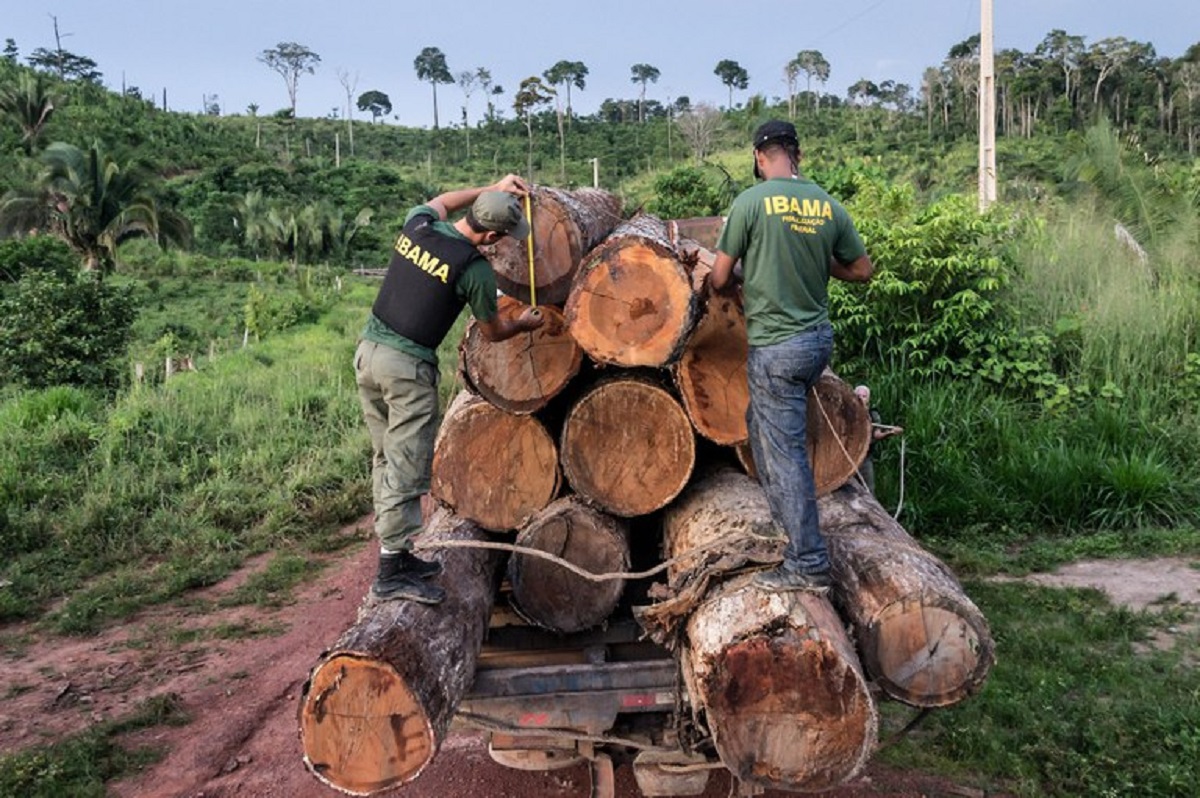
pixel 529 247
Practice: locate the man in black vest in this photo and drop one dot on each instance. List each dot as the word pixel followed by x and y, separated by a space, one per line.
pixel 436 270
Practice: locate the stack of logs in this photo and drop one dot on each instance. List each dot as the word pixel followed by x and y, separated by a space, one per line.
pixel 625 412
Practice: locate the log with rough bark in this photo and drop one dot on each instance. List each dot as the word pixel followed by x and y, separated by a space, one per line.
pixel 566 226
pixel 494 468
pixel 775 674
pixel 711 373
pixel 379 703
pixel 838 437
pixel 632 302
pixel 921 639
pixel 553 597
pixel 521 374
pixel 627 445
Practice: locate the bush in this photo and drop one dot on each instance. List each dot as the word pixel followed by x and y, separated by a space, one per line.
pixel 65 329
pixel 34 254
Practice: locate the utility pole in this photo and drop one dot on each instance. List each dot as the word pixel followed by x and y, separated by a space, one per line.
pixel 987 109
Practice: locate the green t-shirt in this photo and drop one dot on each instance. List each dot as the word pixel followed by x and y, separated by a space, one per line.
pixel 476 286
pixel 785 231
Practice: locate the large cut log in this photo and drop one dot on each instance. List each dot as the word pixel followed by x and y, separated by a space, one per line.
pixel 711 373
pixel 632 303
pixel 921 639
pixel 775 674
pixel 838 437
pixel 521 374
pixel 566 226
pixel 628 446
pixel 378 705
pixel 547 594
pixel 494 468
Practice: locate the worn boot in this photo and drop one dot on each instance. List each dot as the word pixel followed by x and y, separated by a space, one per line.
pixel 396 582
pixel 784 579
pixel 414 565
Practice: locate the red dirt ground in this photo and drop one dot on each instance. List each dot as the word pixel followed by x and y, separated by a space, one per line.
pixel 242 696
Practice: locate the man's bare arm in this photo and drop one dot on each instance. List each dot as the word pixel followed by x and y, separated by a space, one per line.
pixel 859 270
pixel 500 328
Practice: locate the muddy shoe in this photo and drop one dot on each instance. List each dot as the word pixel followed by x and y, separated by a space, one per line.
pixel 407 587
pixel 412 564
pixel 783 579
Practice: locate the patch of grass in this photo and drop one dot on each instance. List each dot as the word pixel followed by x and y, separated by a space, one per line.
pixel 1018 553
pixel 272 586
pixel 81 765
pixel 1070 709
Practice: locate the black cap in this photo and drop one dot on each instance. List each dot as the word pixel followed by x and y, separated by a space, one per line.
pixel 775 130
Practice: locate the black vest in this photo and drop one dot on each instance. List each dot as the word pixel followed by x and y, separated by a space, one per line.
pixel 418 299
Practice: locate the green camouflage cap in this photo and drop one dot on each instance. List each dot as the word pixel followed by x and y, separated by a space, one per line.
pixel 501 212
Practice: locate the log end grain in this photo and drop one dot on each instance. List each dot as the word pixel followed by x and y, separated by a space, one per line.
pixel 362 729
pixel 711 373
pixel 494 468
pixel 521 374
pixel 928 650
pixel 632 304
pixel 628 446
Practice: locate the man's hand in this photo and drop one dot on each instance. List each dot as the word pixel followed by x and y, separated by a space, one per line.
pixel 512 184
pixel 531 319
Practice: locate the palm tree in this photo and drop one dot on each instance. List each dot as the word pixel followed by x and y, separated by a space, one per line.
pixel 643 74
pixel 29 103
pixel 430 65
pixel 93 204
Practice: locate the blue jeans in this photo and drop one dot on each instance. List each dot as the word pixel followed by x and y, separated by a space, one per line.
pixel 780 377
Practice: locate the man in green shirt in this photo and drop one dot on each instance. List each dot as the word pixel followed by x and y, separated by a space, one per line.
pixel 791 237
pixel 436 270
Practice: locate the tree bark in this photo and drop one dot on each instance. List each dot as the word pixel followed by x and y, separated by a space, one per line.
pixel 775 674
pixel 632 303
pixel 493 468
pixel 521 374
pixel 921 638
pixel 550 596
pixel 566 226
pixel 838 437
pixel 628 446
pixel 378 705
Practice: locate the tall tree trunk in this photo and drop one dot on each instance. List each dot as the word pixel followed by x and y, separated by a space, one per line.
pixel 493 468
pixel 378 705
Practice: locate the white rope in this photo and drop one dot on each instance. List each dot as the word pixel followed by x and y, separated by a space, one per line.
pixel 510 547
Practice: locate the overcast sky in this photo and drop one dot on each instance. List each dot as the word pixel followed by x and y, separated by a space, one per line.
pixel 194 48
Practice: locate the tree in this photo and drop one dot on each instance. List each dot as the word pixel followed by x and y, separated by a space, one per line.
pixel 376 102
pixel 29 103
pixel 430 65
pixel 862 91
pixel 813 64
pixel 532 94
pixel 490 90
pixel 1064 50
pixel 93 204
pixel 349 84
pixel 791 71
pixel 290 60
pixel 699 126
pixel 67 65
pixel 568 74
pixel 468 81
pixel 11 53
pixel 643 74
pixel 733 76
